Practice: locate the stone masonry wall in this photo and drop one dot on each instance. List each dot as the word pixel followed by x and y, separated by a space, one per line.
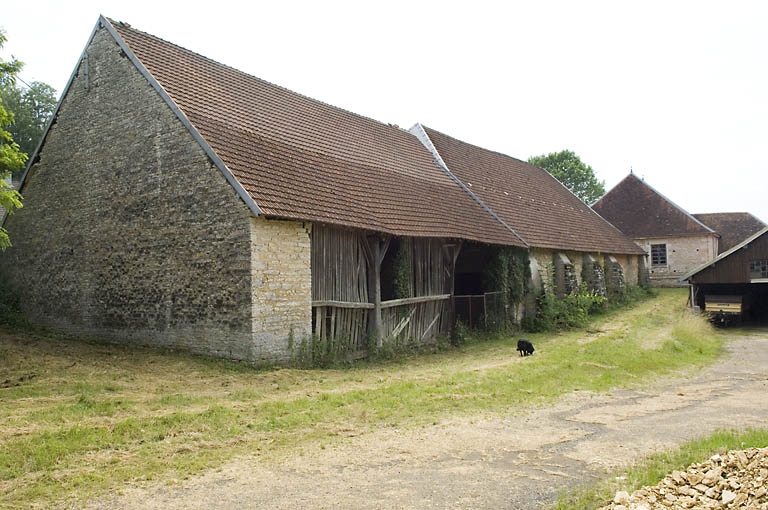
pixel 593 274
pixel 543 271
pixel 683 254
pixel 128 232
pixel 631 265
pixel 282 287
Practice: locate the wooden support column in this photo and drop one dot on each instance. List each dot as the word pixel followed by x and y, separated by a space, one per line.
pixel 375 249
pixel 451 254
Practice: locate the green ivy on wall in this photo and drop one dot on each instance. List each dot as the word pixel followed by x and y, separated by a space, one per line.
pixel 402 272
pixel 509 271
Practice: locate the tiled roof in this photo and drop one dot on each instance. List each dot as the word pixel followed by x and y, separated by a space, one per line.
pixel 301 159
pixel 732 227
pixel 529 200
pixel 639 211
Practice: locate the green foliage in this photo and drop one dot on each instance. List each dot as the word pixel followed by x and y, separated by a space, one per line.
pixel 573 311
pixel 11 158
pixel 314 351
pixel 8 70
pixel 508 271
pixel 637 293
pixel 577 176
pixel 31 107
pixel 402 272
pixel 396 271
pixel 461 333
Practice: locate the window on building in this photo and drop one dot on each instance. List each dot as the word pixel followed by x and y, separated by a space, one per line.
pixel 658 254
pixel 758 269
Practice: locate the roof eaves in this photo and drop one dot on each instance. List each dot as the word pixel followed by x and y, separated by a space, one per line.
pixel 241 191
pixel 418 131
pixel 723 255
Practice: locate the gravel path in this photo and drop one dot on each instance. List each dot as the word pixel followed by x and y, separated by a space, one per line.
pixel 520 463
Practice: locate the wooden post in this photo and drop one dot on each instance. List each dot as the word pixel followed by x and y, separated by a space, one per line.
pixel 451 253
pixel 376 248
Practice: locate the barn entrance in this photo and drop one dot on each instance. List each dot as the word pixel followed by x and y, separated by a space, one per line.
pixel 477 302
pixel 754 299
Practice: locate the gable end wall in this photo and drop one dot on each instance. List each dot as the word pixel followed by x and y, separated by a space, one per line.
pixel 128 232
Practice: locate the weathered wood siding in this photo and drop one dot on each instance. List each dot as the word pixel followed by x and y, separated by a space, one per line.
pixel 340 287
pixel 343 308
pixel 420 320
pixel 735 267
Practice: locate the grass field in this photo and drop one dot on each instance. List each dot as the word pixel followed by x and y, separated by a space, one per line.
pixel 77 419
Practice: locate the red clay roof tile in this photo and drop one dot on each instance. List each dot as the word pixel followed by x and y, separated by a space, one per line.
pixel 640 211
pixel 529 200
pixel 732 227
pixel 303 159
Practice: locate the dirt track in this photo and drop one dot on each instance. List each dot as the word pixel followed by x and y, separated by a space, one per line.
pixel 522 462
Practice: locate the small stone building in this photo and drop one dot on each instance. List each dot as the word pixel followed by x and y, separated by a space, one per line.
pixel 674 241
pixel 178 202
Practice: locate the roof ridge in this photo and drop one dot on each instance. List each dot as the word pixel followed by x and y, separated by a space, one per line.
pixel 585 207
pixel 747 213
pixel 474 145
pixel 423 137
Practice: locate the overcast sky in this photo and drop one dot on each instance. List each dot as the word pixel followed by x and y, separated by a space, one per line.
pixel 677 91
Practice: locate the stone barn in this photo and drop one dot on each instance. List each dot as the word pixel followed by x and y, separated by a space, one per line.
pixel 178 202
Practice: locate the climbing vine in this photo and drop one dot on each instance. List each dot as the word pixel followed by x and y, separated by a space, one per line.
pixel 507 271
pixel 402 272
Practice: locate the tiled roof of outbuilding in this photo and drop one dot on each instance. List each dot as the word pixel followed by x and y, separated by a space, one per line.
pixel 640 211
pixel 529 200
pixel 732 227
pixel 301 159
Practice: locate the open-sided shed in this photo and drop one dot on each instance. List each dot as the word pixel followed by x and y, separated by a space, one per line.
pixel 741 272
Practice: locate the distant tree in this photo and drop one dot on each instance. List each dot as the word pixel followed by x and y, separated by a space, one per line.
pixel 31 108
pixel 567 167
pixel 11 157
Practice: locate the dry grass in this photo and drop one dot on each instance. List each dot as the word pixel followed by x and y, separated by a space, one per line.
pixel 77 419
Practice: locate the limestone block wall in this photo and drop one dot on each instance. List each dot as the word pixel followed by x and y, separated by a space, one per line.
pixel 282 287
pixel 593 274
pixel 683 254
pixel 544 272
pixel 566 276
pixel 128 232
pixel 631 266
pixel 615 280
